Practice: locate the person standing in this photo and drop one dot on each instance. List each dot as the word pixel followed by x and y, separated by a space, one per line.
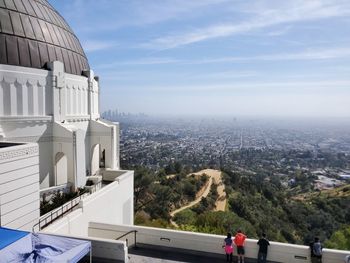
pixel 316 251
pixel 240 241
pixel 263 244
pixel 228 245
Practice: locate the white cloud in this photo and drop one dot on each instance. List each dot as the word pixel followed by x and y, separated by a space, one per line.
pixel 94 45
pixel 134 12
pixel 250 88
pixel 141 62
pixel 293 86
pixel 279 32
pixel 265 16
pixel 308 54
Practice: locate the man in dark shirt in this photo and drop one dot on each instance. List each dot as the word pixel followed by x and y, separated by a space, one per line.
pixel 316 251
pixel 263 245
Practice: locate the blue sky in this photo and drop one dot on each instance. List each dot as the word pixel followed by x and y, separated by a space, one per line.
pixel 209 57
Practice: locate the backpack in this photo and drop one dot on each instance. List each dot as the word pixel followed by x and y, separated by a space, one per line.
pixel 317 249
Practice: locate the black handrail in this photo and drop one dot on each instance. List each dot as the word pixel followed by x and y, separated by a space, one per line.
pixel 54 214
pixel 127 233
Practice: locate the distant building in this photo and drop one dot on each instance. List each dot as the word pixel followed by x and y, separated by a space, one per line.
pixel 324 182
pixel 345 176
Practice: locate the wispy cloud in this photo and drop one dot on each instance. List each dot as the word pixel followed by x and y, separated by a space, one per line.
pixel 308 54
pixel 94 45
pixel 169 9
pixel 134 12
pixel 279 32
pixel 266 16
pixel 265 87
pixel 140 62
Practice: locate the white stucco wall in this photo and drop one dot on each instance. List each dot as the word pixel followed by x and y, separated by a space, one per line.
pixel 42 105
pixel 24 91
pixel 113 204
pixel 76 95
pixel 37 130
pixel 19 186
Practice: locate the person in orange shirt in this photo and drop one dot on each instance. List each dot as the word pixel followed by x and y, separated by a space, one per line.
pixel 239 241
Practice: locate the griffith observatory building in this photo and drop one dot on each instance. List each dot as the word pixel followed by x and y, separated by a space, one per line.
pixel 51 135
pixel 53 140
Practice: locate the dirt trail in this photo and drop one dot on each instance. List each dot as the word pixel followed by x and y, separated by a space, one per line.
pixel 214 177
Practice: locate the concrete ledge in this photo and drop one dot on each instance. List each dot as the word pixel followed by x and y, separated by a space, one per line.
pixel 150 253
pixel 115 175
pixel 207 243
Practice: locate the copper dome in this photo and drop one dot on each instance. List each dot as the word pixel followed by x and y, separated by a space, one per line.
pixel 32 33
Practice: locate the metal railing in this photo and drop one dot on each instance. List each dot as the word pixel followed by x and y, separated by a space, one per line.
pixel 94 188
pixel 57 213
pixel 127 233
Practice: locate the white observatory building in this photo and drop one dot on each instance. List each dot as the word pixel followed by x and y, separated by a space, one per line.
pixel 52 139
pixel 51 134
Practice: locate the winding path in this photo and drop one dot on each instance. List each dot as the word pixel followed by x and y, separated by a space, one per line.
pixel 214 177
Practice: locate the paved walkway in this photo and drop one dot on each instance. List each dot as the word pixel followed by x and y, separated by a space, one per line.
pixel 149 255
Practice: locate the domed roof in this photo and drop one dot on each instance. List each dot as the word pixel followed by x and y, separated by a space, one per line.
pixel 33 33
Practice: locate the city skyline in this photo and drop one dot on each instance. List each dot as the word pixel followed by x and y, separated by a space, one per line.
pixel 217 57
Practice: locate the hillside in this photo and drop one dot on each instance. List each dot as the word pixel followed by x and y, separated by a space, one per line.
pixel 254 203
pixel 342 191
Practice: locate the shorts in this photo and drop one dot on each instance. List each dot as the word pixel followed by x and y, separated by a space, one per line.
pixel 240 250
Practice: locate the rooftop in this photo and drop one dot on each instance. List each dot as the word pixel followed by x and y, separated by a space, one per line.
pixel 33 33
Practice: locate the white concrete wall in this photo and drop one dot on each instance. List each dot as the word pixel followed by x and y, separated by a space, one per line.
pixel 24 91
pixel 105 134
pixel 32 99
pixel 19 186
pixel 79 158
pixel 33 129
pixel 83 143
pixel 95 159
pixel 278 252
pixel 77 95
pixel 112 204
pixel 63 143
pixel 95 99
pixel 61 169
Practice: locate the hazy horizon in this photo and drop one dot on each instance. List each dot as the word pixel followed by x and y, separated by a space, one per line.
pixel 217 57
pixel 293 121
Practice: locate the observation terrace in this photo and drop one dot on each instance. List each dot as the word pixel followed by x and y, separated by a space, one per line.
pixel 121 242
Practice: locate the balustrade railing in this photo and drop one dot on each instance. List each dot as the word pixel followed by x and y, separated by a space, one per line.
pixel 57 213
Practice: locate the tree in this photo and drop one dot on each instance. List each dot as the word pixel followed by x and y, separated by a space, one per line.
pixel 178 167
pixel 143 180
pixel 340 239
pixel 185 217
